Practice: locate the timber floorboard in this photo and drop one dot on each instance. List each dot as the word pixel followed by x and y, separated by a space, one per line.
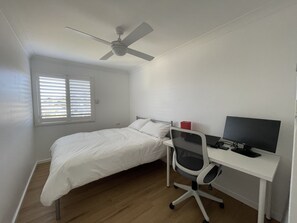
pixel 138 195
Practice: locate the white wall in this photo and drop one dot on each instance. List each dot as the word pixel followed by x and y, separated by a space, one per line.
pixel 249 72
pixel 16 123
pixel 111 88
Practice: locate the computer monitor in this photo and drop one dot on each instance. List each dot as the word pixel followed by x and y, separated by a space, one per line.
pixel 258 133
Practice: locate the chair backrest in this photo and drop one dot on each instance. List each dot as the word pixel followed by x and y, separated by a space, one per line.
pixel 190 150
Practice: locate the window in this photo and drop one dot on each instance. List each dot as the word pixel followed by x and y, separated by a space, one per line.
pixel 52 98
pixel 62 99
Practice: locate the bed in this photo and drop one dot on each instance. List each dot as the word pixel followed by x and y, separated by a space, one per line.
pixel 81 158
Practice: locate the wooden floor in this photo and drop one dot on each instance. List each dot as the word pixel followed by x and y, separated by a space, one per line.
pixel 138 195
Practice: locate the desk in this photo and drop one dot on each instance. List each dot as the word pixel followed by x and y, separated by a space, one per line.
pixel 263 167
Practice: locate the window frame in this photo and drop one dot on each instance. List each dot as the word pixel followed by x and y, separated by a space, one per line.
pixel 68 120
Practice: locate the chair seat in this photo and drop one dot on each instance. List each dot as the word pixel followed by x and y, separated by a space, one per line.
pixel 196 164
pixel 211 175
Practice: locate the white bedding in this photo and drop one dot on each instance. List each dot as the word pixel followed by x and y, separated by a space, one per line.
pixel 81 158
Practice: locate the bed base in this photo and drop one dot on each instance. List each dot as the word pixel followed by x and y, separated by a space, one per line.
pixel 58 209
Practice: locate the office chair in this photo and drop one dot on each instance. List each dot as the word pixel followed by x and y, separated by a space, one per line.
pixel 190 159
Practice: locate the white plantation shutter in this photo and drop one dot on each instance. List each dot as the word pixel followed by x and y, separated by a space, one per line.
pixel 63 99
pixel 80 98
pixel 52 94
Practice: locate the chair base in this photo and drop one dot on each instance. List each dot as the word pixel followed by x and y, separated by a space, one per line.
pixel 196 193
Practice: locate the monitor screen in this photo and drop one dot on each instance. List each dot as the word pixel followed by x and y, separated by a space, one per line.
pixel 258 133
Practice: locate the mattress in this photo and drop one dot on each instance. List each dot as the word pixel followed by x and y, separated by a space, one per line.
pixel 81 158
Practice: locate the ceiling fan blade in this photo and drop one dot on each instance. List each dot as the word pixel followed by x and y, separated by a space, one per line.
pixel 140 54
pixel 106 56
pixel 89 35
pixel 141 31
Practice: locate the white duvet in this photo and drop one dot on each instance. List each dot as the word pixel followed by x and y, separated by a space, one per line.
pixel 81 158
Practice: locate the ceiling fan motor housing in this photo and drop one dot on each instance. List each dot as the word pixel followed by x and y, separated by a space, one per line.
pixel 118 48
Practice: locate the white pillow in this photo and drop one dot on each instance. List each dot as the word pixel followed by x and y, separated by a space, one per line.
pixel 138 124
pixel 158 129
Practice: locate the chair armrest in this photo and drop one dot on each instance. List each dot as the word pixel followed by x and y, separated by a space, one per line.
pixel 204 172
pixel 173 161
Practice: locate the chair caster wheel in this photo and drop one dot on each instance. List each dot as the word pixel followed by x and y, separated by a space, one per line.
pixel 204 221
pixel 175 186
pixel 222 205
pixel 171 206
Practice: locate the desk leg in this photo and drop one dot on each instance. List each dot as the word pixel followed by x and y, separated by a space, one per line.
pixel 268 202
pixel 261 207
pixel 168 166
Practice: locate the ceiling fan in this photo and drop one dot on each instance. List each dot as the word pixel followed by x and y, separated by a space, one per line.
pixel 120 47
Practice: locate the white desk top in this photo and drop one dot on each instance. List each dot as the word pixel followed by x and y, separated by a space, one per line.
pixel 263 167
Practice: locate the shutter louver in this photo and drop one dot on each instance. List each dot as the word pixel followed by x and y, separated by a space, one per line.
pixel 80 98
pixel 52 97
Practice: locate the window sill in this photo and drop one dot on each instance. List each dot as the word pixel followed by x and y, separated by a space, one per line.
pixel 63 122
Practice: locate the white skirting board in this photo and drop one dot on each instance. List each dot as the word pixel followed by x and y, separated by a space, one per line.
pixel 23 195
pixel 274 214
pixel 43 161
pixel 26 188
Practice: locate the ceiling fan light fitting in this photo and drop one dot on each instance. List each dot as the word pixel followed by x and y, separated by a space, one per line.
pixel 118 48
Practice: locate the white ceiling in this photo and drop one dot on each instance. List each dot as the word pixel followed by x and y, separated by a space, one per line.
pixel 40 24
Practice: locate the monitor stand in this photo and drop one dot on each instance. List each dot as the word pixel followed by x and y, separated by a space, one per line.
pixel 246 152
